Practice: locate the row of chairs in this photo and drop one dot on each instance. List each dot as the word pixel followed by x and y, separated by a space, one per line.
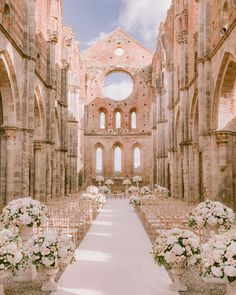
pixel 71 216
pixel 164 213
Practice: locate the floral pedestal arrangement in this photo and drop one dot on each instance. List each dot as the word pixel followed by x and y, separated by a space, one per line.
pixel 48 251
pixel 25 213
pixel 50 285
pixel 109 182
pixel 211 216
pixel 219 260
pixel 126 183
pixel 135 202
pixel 177 272
pixel 13 256
pixel 137 179
pixel 175 249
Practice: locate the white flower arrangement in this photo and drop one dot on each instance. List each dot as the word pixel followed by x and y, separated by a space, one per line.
pixel 109 182
pixel 103 189
pixel 133 189
pixel 49 248
pixel 87 197
pixel 100 178
pixel 176 246
pixel 145 190
pixel 100 199
pixel 148 197
pixel 24 211
pixel 161 190
pixel 126 182
pixel 219 257
pixel 211 213
pixel 92 190
pixel 13 256
pixel 135 200
pixel 137 178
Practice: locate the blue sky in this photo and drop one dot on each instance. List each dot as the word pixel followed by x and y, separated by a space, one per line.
pixel 93 19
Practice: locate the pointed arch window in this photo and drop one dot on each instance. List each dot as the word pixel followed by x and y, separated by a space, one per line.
pixel 137 158
pixel 102 120
pixel 118 120
pixel 133 120
pixel 117 160
pixel 99 160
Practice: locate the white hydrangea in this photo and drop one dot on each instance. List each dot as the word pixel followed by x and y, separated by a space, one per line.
pixel 211 213
pixel 175 246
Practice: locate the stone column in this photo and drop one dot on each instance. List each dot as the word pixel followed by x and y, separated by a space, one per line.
pixel 10 135
pixel 37 170
pixel 50 113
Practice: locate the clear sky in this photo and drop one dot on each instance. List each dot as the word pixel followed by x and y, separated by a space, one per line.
pixel 93 19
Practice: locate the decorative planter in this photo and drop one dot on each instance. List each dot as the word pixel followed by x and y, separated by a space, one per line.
pixel 136 208
pixel 231 288
pixel 25 233
pixel 177 271
pixel 211 230
pixel 50 285
pixel 3 275
pixel 30 273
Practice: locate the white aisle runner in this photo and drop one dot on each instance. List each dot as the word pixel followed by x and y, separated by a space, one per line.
pixel 114 258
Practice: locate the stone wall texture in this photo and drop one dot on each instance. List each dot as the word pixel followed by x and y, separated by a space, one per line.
pixel 194 74
pixel 184 97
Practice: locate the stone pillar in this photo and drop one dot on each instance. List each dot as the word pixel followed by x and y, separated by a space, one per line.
pixel 196 172
pixel 10 135
pixel 37 170
pixel 50 114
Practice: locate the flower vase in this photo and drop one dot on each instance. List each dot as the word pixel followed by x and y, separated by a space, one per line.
pixel 126 190
pixel 231 288
pixel 3 275
pixel 30 273
pixel 211 230
pixel 50 285
pixel 177 272
pixel 25 232
pixel 109 190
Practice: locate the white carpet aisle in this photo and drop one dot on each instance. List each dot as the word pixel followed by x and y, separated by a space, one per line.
pixel 114 258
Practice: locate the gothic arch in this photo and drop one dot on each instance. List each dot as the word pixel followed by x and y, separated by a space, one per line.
pixel 223 108
pixel 12 115
pixel 131 112
pixel 97 146
pixel 114 147
pixel 115 112
pixel 100 111
pixel 39 115
pixel 193 120
pixel 137 146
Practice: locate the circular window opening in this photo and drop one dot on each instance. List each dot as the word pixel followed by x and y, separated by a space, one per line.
pixel 119 51
pixel 118 86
